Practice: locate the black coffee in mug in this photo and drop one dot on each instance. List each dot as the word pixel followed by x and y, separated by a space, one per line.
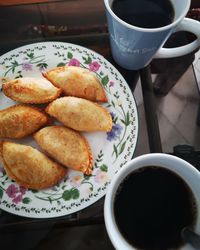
pixel 144 13
pixel 152 206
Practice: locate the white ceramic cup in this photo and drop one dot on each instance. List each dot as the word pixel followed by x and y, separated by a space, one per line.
pixel 186 171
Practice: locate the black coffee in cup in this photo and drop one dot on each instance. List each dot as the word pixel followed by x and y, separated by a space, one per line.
pixel 151 207
pixel 144 13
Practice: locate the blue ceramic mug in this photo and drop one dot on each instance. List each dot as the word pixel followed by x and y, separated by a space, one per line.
pixel 134 47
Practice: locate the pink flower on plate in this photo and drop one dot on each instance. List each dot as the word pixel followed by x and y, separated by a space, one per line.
pixel 74 62
pixel 22 190
pixel 18 198
pixel 100 176
pixel 11 191
pixel 94 66
pixel 75 180
pixel 111 83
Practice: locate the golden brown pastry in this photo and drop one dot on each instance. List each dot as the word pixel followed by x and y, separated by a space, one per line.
pixel 80 114
pixel 20 120
pixel 66 146
pixel 31 90
pixel 29 167
pixel 77 81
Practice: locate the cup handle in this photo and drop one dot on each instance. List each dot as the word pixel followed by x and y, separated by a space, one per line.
pixel 189 25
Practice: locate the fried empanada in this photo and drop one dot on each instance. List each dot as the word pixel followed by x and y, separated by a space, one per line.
pixel 20 120
pixel 66 146
pixel 31 90
pixel 29 167
pixel 77 81
pixel 80 114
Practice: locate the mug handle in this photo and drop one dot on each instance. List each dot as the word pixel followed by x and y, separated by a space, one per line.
pixel 189 25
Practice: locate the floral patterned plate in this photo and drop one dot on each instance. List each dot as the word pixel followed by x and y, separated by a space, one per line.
pixel 110 150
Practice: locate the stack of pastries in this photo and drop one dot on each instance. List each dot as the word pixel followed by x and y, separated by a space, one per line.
pixel 71 95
